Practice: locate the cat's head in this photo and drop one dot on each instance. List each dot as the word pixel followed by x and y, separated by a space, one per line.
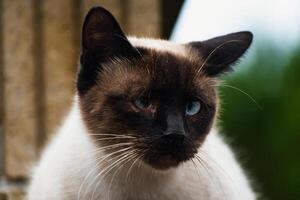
pixel 150 99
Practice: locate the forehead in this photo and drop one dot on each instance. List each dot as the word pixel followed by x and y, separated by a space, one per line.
pixel 168 71
pixel 164 67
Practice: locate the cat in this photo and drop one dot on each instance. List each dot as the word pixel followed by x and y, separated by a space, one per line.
pixel 142 124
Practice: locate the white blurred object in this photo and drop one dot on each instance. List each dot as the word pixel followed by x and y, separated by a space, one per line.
pixel 277 21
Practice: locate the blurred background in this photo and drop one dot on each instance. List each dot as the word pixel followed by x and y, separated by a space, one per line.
pixel 39 48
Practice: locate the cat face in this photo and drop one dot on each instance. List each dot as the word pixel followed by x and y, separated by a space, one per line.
pixel 156 102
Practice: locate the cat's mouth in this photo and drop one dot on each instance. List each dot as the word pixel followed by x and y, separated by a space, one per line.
pixel 169 152
pixel 166 161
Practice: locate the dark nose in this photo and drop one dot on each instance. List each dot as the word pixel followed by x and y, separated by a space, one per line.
pixel 175 125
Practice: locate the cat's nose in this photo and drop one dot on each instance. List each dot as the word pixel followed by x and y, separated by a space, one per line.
pixel 175 133
pixel 175 125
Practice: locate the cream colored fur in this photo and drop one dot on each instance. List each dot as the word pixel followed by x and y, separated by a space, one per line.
pixel 67 170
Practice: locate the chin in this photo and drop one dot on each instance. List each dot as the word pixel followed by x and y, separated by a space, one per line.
pixel 169 151
pixel 165 161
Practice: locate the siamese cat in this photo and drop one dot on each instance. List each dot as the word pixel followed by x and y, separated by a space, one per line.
pixel 142 124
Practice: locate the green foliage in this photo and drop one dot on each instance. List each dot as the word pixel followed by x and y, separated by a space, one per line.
pixel 267 136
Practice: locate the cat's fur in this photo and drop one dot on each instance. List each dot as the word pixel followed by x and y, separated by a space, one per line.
pixel 157 153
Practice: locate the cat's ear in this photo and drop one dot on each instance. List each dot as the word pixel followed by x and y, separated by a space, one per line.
pixel 102 40
pixel 221 52
pixel 103 36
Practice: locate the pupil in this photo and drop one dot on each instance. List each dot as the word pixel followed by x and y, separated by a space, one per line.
pixel 190 106
pixel 144 102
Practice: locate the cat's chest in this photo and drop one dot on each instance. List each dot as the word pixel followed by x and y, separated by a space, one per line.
pixel 156 195
pixel 173 190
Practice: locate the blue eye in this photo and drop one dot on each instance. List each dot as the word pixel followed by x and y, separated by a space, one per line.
pixel 141 103
pixel 192 107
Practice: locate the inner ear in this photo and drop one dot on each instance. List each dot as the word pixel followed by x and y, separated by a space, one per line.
pixel 102 40
pixel 221 52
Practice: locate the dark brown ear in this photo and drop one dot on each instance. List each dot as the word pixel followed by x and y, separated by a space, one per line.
pixel 221 52
pixel 102 40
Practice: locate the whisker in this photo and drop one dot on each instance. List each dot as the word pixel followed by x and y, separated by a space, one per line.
pixel 112 146
pixel 211 177
pixel 100 173
pixel 118 135
pixel 243 92
pixel 106 170
pixel 115 138
pixel 130 168
pixel 196 168
pixel 220 168
pixel 98 160
pixel 129 158
pixel 206 166
pixel 207 156
pixel 202 162
pixel 140 159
